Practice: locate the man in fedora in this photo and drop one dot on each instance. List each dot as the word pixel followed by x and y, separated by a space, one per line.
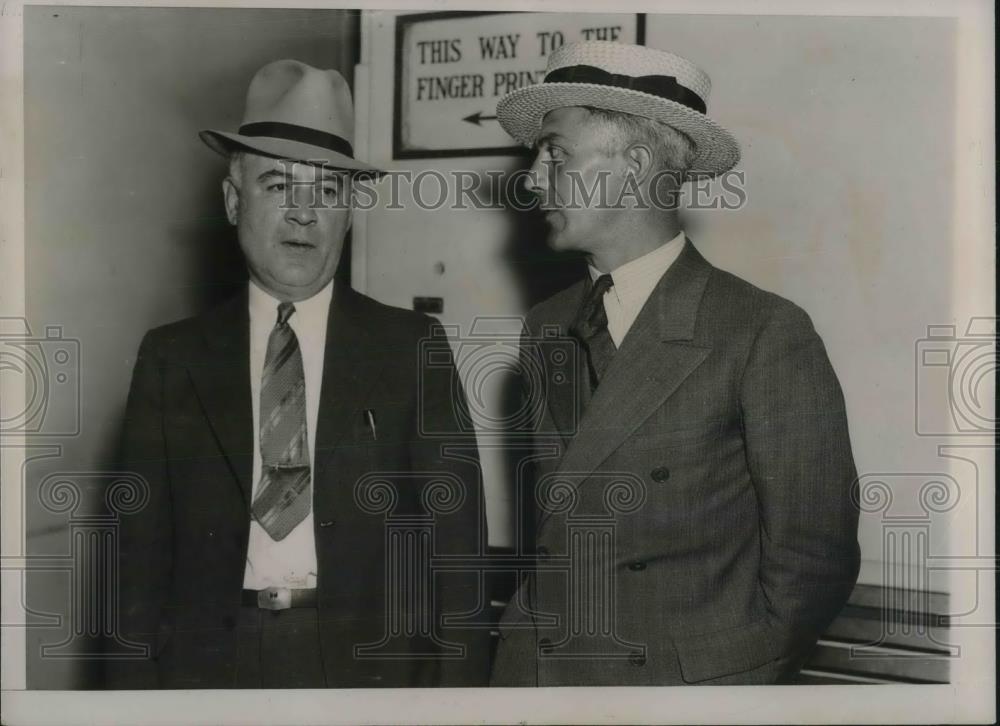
pixel 696 525
pixel 262 558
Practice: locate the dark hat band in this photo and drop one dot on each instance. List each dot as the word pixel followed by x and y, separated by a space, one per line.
pixel 663 86
pixel 303 134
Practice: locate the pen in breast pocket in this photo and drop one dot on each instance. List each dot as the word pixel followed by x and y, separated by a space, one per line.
pixel 370 418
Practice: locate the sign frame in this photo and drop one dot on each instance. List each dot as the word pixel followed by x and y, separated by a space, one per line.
pixel 399 150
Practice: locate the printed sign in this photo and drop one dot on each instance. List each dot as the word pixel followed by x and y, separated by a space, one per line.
pixel 452 68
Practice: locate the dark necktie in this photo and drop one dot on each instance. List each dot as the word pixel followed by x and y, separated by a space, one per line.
pixel 591 329
pixel 284 496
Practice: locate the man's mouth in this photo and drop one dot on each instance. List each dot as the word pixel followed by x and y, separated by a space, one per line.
pixel 297 244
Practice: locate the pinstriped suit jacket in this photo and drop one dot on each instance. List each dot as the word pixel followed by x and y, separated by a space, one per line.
pixel 695 524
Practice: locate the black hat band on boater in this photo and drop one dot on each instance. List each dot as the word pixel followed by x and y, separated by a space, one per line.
pixel 663 86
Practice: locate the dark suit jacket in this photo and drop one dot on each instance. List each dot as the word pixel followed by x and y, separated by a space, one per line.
pixel 717 444
pixel 188 432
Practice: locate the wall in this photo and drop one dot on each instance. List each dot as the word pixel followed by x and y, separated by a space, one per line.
pixel 849 169
pixel 125 227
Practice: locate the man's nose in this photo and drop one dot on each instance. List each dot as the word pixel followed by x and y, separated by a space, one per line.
pixel 301 205
pixel 536 180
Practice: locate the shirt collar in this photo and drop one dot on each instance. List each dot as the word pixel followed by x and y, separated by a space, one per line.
pixel 637 278
pixel 311 311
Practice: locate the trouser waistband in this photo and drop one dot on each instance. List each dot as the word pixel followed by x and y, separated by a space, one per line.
pixel 280 598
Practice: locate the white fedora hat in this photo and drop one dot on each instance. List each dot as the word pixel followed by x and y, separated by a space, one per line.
pixel 629 79
pixel 297 112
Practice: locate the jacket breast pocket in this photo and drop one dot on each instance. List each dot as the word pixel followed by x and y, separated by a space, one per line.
pixel 364 447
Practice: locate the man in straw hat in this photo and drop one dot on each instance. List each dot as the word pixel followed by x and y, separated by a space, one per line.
pixel 259 560
pixel 712 435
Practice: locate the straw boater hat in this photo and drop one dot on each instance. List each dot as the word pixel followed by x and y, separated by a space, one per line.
pixel 630 79
pixel 296 112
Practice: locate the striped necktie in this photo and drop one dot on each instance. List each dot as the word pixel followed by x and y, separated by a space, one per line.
pixel 591 329
pixel 284 495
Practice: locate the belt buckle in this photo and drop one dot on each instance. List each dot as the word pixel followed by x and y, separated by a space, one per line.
pixel 274 598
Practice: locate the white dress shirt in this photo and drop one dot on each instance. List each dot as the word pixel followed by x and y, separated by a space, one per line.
pixel 633 284
pixel 292 561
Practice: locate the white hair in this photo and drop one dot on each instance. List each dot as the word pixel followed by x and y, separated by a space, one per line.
pixel 672 149
pixel 236 167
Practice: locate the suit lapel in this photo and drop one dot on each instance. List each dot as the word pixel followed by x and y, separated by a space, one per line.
pixel 221 376
pixel 655 357
pixel 351 365
pixel 565 371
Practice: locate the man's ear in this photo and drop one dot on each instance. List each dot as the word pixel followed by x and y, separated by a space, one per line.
pixel 639 161
pixel 231 195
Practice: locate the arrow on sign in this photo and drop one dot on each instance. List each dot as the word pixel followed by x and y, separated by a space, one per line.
pixel 477 117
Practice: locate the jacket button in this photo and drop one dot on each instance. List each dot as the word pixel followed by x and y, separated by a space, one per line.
pixel 637 566
pixel 544 642
pixel 542 552
pixel 327 523
pixel 637 659
pixel 660 474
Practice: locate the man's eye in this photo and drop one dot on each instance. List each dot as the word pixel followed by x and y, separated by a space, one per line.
pixel 555 152
pixel 329 192
pixel 279 187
